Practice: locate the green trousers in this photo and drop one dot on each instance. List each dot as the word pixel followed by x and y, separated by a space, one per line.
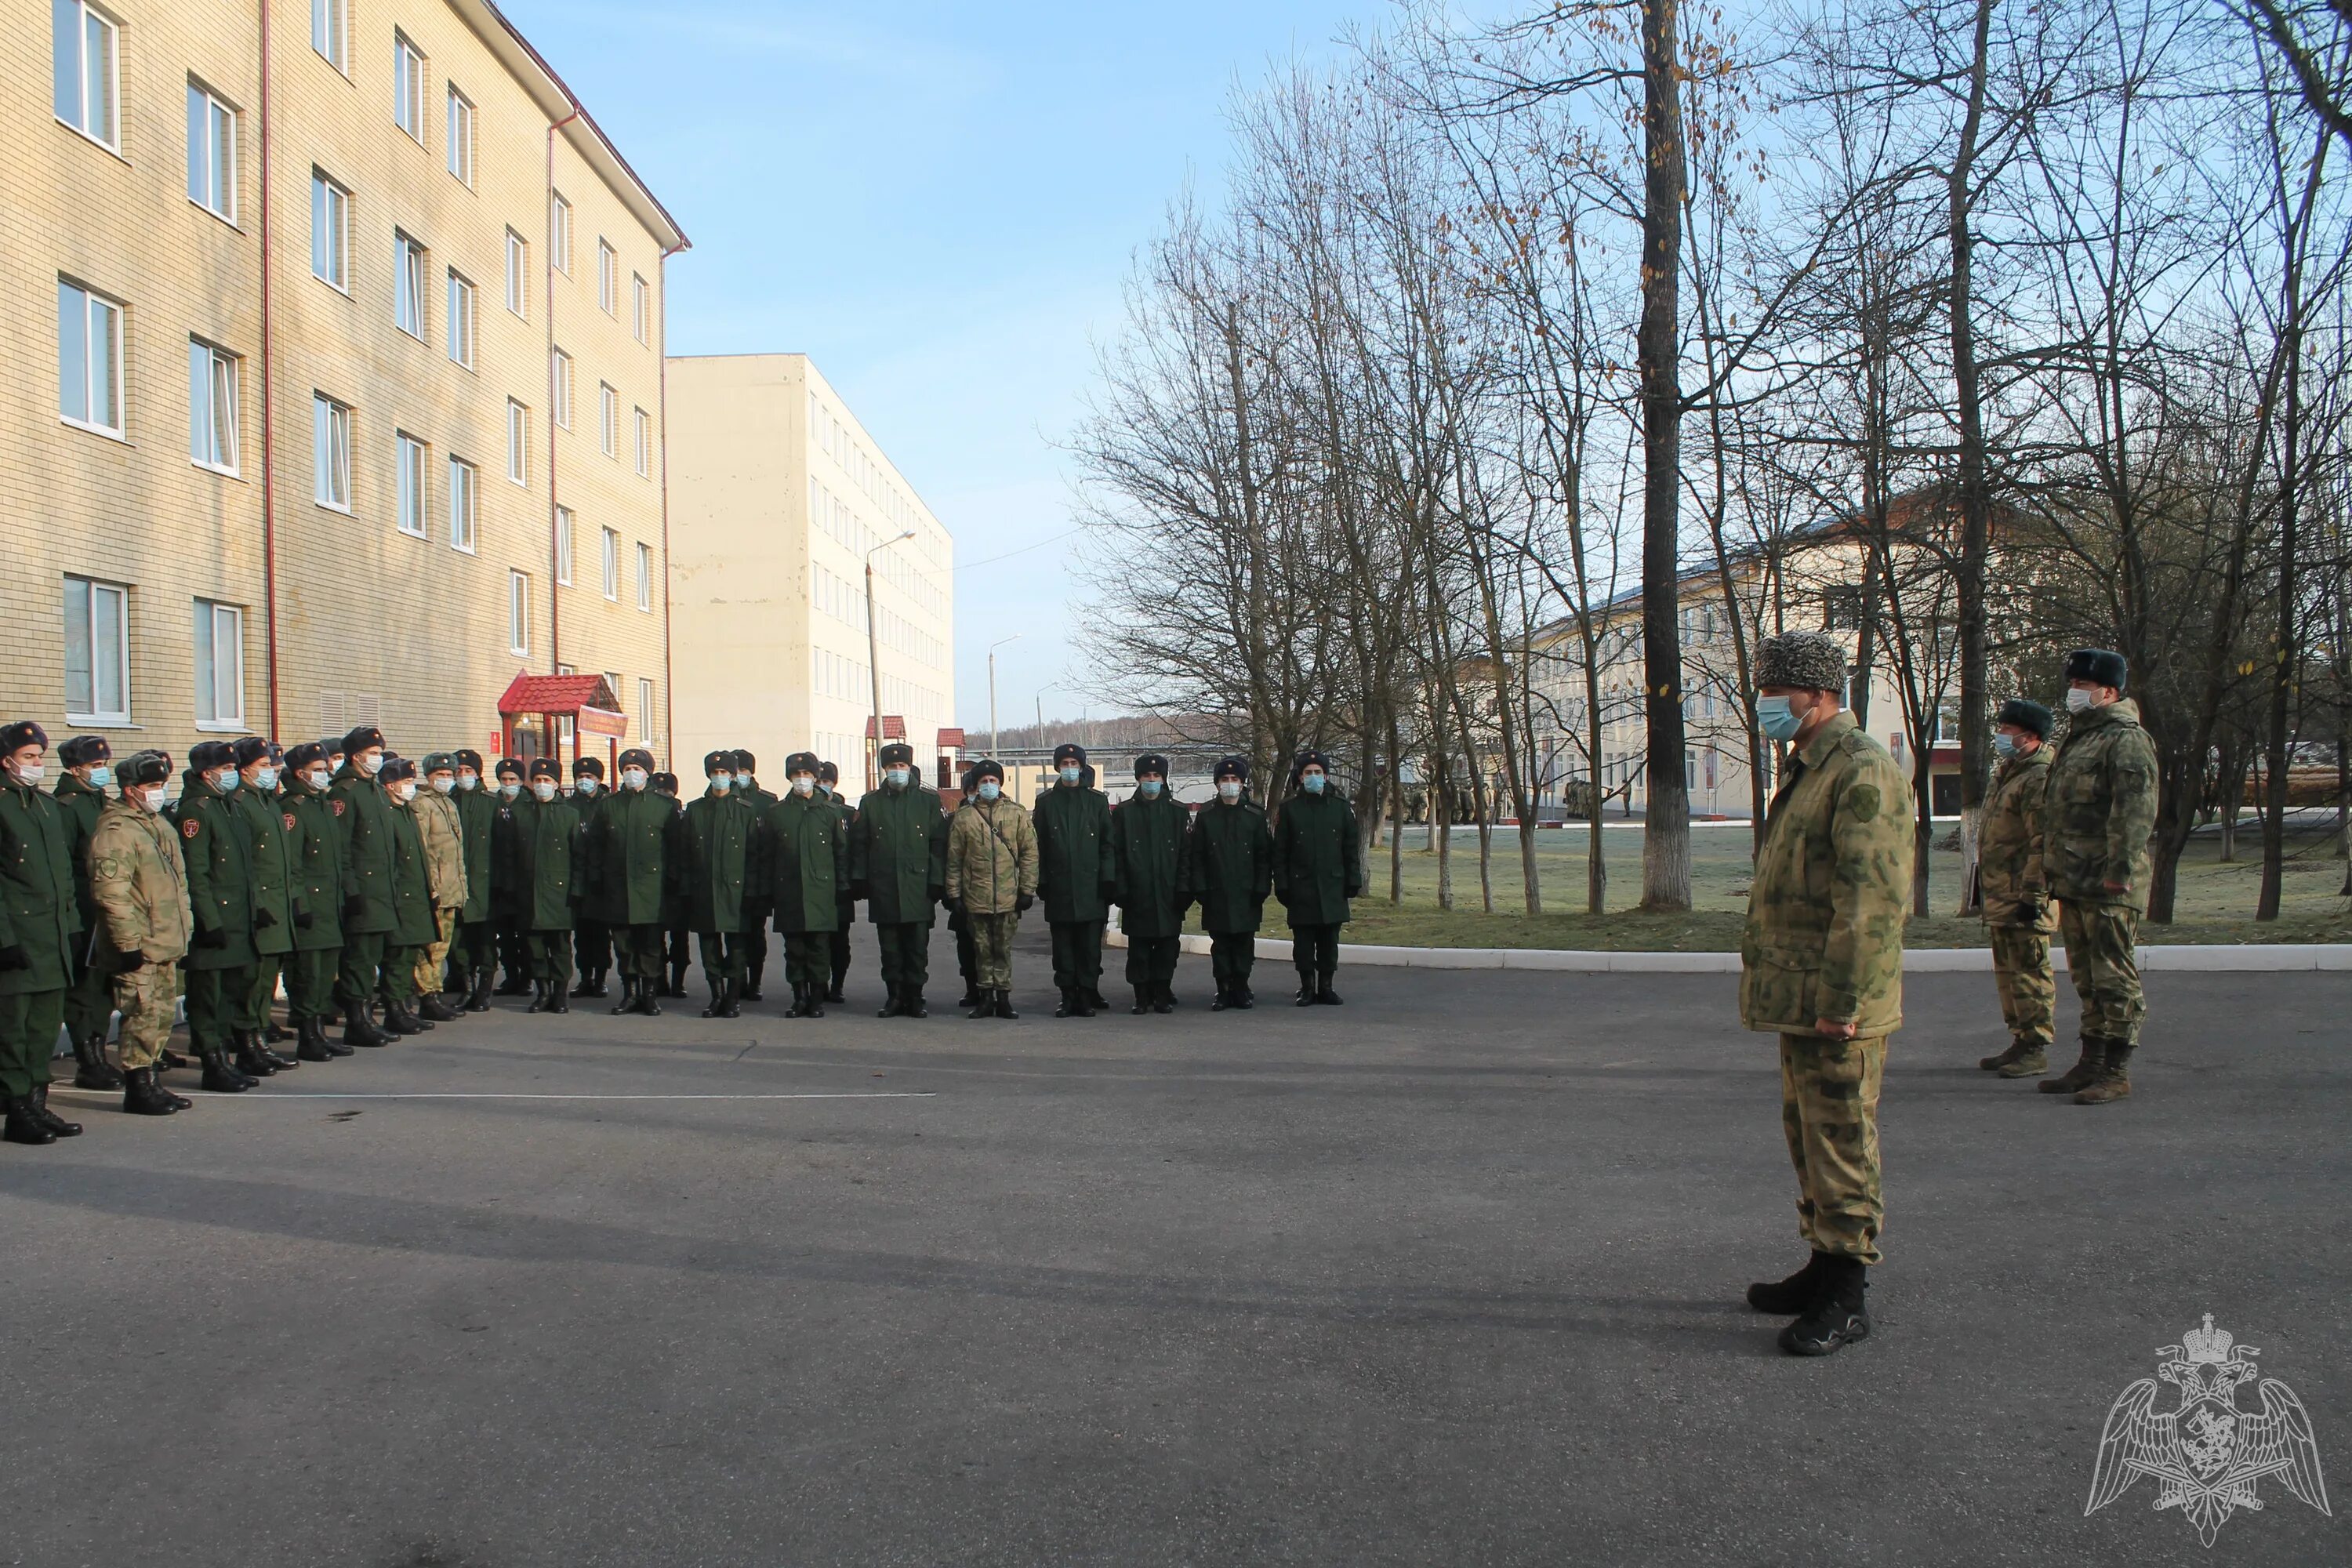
pixel 1314 952
pixel 311 983
pixel 358 962
pixel 90 996
pixel 991 949
pixel 1077 954
pixel 837 945
pixel 473 951
pixel 400 971
pixel 638 950
pixel 967 950
pixel 808 958
pixel 1232 955
pixel 261 994
pixel 550 956
pixel 906 954
pixel 1151 960
pixel 218 999
pixel 592 942
pixel 723 952
pixel 30 1022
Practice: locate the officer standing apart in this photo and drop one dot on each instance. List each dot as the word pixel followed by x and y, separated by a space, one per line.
pixel 804 867
pixel 270 861
pixel 139 887
pixel 1147 834
pixel 38 926
pixel 443 832
pixel 755 918
pixel 472 956
pixel 216 845
pixel 631 834
pixel 1229 871
pixel 1078 878
pixel 413 928
pixel 1821 966
pixel 363 816
pixel 898 864
pixel 2100 809
pixel 991 877
pixel 2013 890
pixel 712 862
pixel 1318 866
pixel 89 1001
pixel 315 862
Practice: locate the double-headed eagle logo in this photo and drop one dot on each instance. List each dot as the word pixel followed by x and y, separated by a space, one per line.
pixel 2206 1455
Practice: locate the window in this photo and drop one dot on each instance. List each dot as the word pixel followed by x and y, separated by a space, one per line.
pixel 331 232
pixel 559 233
pixel 1947 726
pixel 608 419
pixel 330 452
pixel 329 27
pixel 411 482
pixel 517 442
pixel 1841 607
pixel 641 308
pixel 463 483
pixel 408 285
pixel 645 709
pixel 407 87
pixel 644 443
pixel 85 69
pixel 612 566
pixel 98 652
pixel 608 273
pixel 461 137
pixel 518 274
pixel 211 408
pixel 563 545
pixel 90 360
pixel 211 154
pixel 461 320
pixel 559 386
pixel 644 577
pixel 220 666
pixel 518 613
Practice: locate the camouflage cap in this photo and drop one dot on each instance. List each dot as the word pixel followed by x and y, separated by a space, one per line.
pixel 1812 660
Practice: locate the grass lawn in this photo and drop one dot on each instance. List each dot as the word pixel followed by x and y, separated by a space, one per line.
pixel 2216 902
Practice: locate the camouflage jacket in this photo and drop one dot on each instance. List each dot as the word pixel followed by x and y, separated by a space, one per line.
pixel 140 885
pixel 991 856
pixel 2101 809
pixel 443 836
pixel 2009 876
pixel 1825 910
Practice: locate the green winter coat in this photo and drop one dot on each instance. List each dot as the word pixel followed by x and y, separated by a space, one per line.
pixel 364 814
pixel 711 860
pixel 2009 874
pixel 39 915
pixel 267 822
pixel 1833 883
pixel 544 843
pixel 802 863
pixel 991 856
pixel 478 809
pixel 314 853
pixel 1319 861
pixel 82 802
pixel 411 881
pixel 216 842
pixel 1148 855
pixel 629 836
pixel 1229 866
pixel 757 893
pixel 1078 869
pixel 2100 809
pixel 898 854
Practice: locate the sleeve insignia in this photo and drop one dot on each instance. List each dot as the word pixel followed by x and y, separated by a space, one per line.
pixel 290 822
pixel 1862 801
pixel 339 807
pixel 191 827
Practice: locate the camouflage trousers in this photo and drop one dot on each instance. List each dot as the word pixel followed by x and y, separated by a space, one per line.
pixel 1829 1109
pixel 2028 985
pixel 991 949
pixel 2100 942
pixel 433 958
pixel 144 997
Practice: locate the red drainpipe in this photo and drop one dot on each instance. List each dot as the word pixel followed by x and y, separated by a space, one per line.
pixel 661 347
pixel 269 403
pixel 554 523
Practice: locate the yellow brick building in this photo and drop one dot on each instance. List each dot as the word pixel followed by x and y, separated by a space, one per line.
pixel 331 380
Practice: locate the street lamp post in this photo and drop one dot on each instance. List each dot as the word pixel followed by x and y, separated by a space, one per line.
pixel 991 689
pixel 873 658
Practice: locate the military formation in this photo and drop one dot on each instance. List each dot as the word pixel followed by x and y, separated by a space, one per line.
pixel 383 896
pixel 2063 847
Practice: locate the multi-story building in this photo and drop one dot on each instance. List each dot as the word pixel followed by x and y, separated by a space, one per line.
pixel 779 499
pixel 331 385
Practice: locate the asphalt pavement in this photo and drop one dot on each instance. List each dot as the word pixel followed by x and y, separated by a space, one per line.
pixel 1450 1275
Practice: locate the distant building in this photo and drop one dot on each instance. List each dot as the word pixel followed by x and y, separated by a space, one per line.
pixel 778 496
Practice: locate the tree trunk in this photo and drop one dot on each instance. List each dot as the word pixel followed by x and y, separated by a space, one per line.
pixel 1976 507
pixel 1665 837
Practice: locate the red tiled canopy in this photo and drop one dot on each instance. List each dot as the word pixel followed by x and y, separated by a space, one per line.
pixel 951 738
pixel 893 727
pixel 557 694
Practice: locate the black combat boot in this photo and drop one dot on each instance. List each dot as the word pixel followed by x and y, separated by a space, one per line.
pixel 21 1125
pixel 279 1060
pixel 890 1007
pixel 595 983
pixel 1161 1002
pixel 676 991
pixel 1094 998
pixel 559 995
pixel 1243 998
pixel 986 1004
pixel 2082 1074
pixel 311 1042
pixel 1306 991
pixel 411 1021
pixel 91 1070
pixel 914 1007
pixel 179 1101
pixel 1324 994
pixel 251 1059
pixel 1005 1004
pixel 649 995
pixel 814 1008
pixel 734 1000
pixel 1067 1006
pixel 832 993
pixel 1143 1001
pixel 753 968
pixel 141 1097
pixel 629 1002
pixel 538 997
pixel 1837 1316
pixel 358 1029
pixel 57 1125
pixel 516 984
pixel 170 1061
pixel 1223 991
pixel 2112 1082
pixel 1786 1298
pixel 972 994
pixel 718 1008
pixel 477 999
pixel 432 1008
pixel 219 1077
pixel 1080 1006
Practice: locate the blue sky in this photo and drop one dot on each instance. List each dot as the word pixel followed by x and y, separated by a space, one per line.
pixel 939 202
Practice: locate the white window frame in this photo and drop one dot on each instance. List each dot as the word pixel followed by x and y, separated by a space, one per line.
pixel 519 612
pixel 644 440
pixel 331 32
pixel 641 308
pixel 559 388
pixel 459 126
pixel 645 577
pixel 408 83
pixel 410 261
pixel 411 468
pixel 610 560
pixel 461 304
pixel 1948 724
pixel 330 452
pixel 85 16
pixel 517 275
pixel 608 419
pixel 559 233
pixel 566 525
pixel 94 712
pixel 608 277
pixel 330 203
pixel 212 378
pixel 645 708
pixel 518 443
pixel 219 625
pixel 90 303
pixel 212 151
pixel 464 506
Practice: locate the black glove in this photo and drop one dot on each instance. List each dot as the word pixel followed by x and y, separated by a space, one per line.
pixel 860 891
pixel 1110 892
pixel 263 920
pixel 304 920
pixel 125 962
pixel 12 957
pixel 210 937
pixel 938 894
pixel 1020 905
pixel 354 907
pixel 953 905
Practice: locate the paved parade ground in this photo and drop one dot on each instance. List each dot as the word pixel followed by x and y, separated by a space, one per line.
pixel 1450 1275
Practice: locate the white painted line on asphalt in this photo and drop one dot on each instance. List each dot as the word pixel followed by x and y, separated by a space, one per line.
pixel 324 1094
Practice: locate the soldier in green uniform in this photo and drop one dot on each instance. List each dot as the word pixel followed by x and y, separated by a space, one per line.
pixel 1147 834
pixel 2013 891
pixel 138 886
pixel 803 862
pixel 216 844
pixel 90 1000
pixel 412 927
pixel 364 819
pixel 630 836
pixel 592 938
pixel 1821 966
pixel 541 842
pixel 434 809
pixel 755 918
pixel 315 860
pixel 38 926
pixel 898 864
pixel 269 858
pixel 992 877
pixel 711 860
pixel 473 957
pixel 509 926
pixel 1229 871
pixel 1318 866
pixel 1077 879
pixel 678 935
pixel 828 785
pixel 2096 815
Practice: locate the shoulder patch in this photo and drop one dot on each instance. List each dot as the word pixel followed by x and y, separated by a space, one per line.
pixel 191 827
pixel 338 803
pixel 1862 801
pixel 290 822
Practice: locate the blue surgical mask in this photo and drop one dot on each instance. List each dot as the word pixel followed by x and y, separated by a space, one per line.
pixel 101 777
pixel 1311 783
pixel 544 789
pixel 989 789
pixel 509 789
pixel 585 785
pixel 2004 745
pixel 265 778
pixel 1069 775
pixel 1774 718
pixel 720 783
pixel 1230 789
pixel 898 777
pixel 226 780
pixel 1149 787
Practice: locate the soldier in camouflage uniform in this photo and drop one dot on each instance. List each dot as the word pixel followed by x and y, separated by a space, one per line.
pixel 90 1000
pixel 442 833
pixel 992 877
pixel 1821 966
pixel 2100 809
pixel 138 886
pixel 2013 891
